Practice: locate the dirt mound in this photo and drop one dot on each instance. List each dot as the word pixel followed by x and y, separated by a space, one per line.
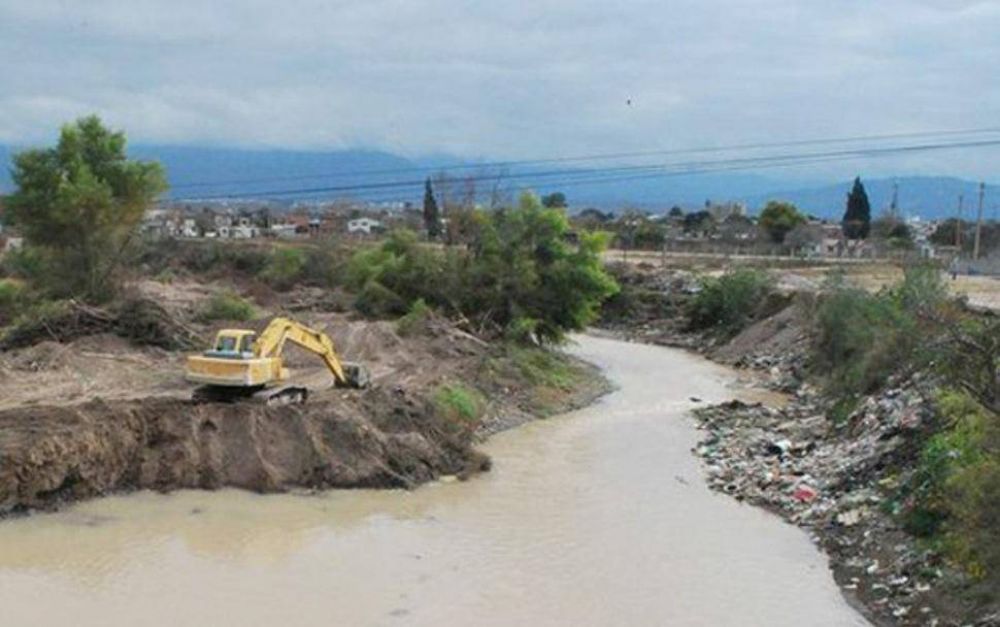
pixel 783 334
pixel 56 454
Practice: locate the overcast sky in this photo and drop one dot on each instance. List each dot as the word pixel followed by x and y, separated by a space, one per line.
pixel 504 79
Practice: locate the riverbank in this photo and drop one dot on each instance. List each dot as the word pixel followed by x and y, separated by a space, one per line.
pixel 611 485
pixel 842 475
pixel 98 414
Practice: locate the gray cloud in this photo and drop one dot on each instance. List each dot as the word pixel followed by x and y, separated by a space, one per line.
pixel 541 78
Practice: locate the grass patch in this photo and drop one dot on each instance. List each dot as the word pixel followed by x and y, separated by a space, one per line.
pixel 227 306
pixel 543 367
pixel 459 404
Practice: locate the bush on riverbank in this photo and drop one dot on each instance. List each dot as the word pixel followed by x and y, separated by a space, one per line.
pixel 861 338
pixel 518 277
pixel 730 302
pixel 227 306
pixel 954 496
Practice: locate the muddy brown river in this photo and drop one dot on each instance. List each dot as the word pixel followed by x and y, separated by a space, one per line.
pixel 598 517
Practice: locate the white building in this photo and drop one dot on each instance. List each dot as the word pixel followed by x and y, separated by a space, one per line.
pixel 363 225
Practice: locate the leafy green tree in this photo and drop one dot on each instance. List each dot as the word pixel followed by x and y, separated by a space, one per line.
pixel 525 275
pixel 676 212
pixel 432 217
pixel 893 231
pixel 778 218
pixel 699 222
pixel 519 276
pixel 80 203
pixel 858 216
pixel 555 200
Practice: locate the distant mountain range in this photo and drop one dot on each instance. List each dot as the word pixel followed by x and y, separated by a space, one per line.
pixel 929 197
pixel 197 172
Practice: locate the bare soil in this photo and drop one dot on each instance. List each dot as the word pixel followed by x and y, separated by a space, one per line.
pixel 100 414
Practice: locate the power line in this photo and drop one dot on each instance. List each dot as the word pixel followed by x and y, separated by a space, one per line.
pixel 667 169
pixel 596 157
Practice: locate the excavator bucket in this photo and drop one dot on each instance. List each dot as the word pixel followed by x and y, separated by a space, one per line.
pixel 357 375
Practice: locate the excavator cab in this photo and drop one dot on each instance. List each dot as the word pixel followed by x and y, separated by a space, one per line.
pixel 233 344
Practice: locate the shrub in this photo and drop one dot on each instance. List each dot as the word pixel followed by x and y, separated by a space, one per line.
pixel 377 301
pixel 970 359
pixel 955 492
pixel 862 338
pixel 325 265
pixel 284 267
pixel 414 319
pixel 227 306
pixel 728 303
pixel 249 260
pixel 459 404
pixel 11 295
pixel 405 268
pixel 26 263
pixel 518 269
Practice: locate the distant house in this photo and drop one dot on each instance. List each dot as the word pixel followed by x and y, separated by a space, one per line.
pixel 284 230
pixel 187 228
pixel 364 225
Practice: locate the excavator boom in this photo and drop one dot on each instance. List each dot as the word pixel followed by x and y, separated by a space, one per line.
pixel 271 343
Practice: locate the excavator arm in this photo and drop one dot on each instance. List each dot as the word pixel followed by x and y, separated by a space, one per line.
pixel 271 343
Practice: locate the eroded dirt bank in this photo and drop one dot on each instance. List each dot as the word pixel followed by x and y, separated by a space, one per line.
pixel 54 454
pixel 98 414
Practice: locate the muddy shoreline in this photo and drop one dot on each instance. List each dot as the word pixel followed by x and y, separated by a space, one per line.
pixel 835 481
pixel 99 415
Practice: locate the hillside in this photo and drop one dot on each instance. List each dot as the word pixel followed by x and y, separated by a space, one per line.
pixel 930 197
pixel 197 172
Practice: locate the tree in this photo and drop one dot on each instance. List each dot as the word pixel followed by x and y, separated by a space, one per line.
pixel 778 218
pixel 526 278
pixel 520 276
pixel 893 231
pixel 699 222
pixel 555 200
pixel 858 216
pixel 80 204
pixel 432 218
pixel 676 212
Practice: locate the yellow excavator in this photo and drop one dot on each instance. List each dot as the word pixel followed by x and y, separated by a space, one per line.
pixel 242 365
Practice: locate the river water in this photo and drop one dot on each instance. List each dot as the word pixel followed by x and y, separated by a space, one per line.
pixel 598 517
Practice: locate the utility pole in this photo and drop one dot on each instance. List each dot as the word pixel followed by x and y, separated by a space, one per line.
pixel 979 221
pixel 958 225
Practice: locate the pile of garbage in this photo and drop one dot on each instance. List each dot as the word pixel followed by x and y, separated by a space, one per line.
pixel 838 481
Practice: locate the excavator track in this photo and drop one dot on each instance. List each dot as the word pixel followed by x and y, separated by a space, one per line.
pixel 271 397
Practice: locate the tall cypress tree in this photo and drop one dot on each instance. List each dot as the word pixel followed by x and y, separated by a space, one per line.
pixel 858 216
pixel 432 219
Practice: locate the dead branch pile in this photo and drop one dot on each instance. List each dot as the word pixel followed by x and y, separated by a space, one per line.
pixel 138 320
